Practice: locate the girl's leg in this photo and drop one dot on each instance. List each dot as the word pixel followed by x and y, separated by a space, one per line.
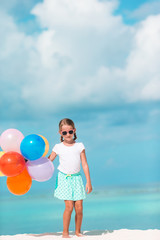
pixel 78 216
pixel 67 217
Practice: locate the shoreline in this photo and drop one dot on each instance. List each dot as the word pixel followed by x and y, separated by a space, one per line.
pixel 122 234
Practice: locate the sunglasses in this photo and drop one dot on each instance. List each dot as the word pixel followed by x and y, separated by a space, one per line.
pixel 65 132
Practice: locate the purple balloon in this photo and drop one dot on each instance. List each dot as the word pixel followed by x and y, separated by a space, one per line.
pixel 41 169
pixel 11 140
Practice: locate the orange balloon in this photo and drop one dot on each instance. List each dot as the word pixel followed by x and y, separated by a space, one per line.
pixel 46 146
pixel 1 154
pixel 20 184
pixel 12 164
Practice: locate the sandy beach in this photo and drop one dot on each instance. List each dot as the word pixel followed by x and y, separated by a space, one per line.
pixel 122 234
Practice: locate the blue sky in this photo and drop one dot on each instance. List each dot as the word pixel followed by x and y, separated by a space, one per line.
pixel 96 62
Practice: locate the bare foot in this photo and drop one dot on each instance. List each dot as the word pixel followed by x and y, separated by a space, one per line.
pixel 79 234
pixel 66 236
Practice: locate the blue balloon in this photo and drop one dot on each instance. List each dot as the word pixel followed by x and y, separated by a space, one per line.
pixel 32 147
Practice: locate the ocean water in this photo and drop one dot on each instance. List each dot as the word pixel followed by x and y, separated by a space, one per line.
pixel 107 208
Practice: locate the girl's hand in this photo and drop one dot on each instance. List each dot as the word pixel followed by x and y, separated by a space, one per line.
pixel 88 187
pixel 52 156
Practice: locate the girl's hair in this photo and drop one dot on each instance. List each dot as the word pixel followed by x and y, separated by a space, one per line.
pixel 67 121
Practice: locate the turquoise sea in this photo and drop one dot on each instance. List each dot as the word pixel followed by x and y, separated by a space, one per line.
pixel 106 208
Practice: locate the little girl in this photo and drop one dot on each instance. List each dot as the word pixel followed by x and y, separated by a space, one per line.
pixel 69 185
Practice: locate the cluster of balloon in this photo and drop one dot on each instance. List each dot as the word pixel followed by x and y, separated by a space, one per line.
pixel 23 159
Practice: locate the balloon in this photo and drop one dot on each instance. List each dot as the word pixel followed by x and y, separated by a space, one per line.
pixel 12 164
pixel 32 147
pixel 41 169
pixel 1 174
pixel 46 146
pixel 1 154
pixel 19 184
pixel 11 140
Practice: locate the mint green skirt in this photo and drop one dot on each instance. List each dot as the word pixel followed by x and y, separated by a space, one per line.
pixel 69 187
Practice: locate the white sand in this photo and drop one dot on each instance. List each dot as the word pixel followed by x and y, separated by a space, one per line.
pixel 122 234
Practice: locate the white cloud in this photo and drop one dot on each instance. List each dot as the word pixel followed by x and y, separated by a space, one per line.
pixel 85 55
pixel 76 14
pixel 143 63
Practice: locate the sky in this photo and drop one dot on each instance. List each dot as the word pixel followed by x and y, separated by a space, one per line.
pixel 96 62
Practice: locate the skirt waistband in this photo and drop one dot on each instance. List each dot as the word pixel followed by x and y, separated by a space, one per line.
pixel 70 175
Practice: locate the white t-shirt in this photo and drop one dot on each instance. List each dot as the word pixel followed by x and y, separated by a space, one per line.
pixel 69 157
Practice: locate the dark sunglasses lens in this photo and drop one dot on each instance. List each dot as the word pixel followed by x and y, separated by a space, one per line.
pixel 64 133
pixel 71 132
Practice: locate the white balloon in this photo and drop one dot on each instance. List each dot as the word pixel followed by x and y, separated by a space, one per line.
pixel 11 140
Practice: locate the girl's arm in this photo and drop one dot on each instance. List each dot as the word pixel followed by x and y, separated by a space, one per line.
pixel 52 156
pixel 86 171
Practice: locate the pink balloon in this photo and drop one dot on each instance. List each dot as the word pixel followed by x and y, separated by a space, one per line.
pixel 41 169
pixel 11 140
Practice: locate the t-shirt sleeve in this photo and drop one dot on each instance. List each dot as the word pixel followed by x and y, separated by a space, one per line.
pixel 55 149
pixel 81 147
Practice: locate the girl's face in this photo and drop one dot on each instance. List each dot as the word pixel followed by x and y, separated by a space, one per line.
pixel 67 132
